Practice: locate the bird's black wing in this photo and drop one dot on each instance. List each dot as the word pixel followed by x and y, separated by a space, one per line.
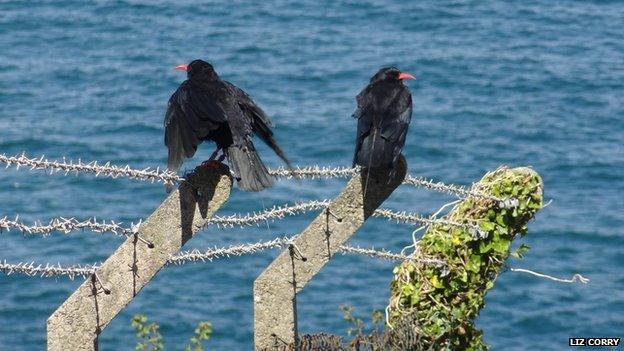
pixel 394 129
pixel 365 119
pixel 261 124
pixel 383 122
pixel 191 115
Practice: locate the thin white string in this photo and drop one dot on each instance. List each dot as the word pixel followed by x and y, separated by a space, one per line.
pixel 576 278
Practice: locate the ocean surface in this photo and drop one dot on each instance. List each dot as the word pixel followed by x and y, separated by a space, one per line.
pixel 537 83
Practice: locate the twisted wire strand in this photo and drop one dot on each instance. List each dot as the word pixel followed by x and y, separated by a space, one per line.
pixel 457 190
pixel 273 213
pixel 280 242
pixel 50 270
pixel 165 176
pixel 67 225
pixel 235 250
pixel 314 172
pixel 107 169
pixel 413 218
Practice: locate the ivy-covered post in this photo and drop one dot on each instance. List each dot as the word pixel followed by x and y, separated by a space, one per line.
pixel 433 307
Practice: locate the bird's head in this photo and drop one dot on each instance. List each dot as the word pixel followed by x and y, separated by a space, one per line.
pixel 390 74
pixel 199 70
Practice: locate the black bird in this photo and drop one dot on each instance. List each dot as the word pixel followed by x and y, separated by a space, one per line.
pixel 205 107
pixel 384 111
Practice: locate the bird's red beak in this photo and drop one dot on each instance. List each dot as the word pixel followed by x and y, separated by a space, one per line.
pixel 405 75
pixel 181 67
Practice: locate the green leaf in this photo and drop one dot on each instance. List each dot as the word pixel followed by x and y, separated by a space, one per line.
pixel 435 281
pixel 520 251
pixel 474 264
pixel 487 226
pixel 501 245
pixel 485 247
pixel 500 219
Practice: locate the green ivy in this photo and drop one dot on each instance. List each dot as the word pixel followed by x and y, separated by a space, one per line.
pixel 442 302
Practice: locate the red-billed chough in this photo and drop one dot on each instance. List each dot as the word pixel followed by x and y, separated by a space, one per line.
pixel 207 108
pixel 384 111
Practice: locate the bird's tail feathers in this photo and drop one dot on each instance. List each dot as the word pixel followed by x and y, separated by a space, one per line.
pixel 270 141
pixel 375 151
pixel 174 142
pixel 251 173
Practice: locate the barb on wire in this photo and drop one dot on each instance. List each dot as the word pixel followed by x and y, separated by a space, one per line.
pixel 244 249
pixel 413 218
pixel 344 172
pixel 275 212
pixel 149 174
pixel 457 190
pixel 576 278
pixel 388 255
pixel 314 172
pixel 47 270
pixel 279 212
pixel 66 225
pixel 235 250
pixel 107 169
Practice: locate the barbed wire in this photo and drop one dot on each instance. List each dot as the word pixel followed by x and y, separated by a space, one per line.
pixel 413 218
pixel 280 242
pixel 235 250
pixel 67 225
pixel 314 172
pixel 50 270
pixel 281 211
pixel 108 169
pixel 457 190
pixel 273 213
pixel 47 270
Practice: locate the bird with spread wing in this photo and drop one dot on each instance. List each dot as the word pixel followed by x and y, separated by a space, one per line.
pixel 204 107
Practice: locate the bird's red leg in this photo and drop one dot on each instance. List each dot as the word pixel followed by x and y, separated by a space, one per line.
pixel 211 162
pixel 214 154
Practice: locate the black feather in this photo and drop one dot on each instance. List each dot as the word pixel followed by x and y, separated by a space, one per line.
pixel 250 172
pixel 384 111
pixel 205 107
pixel 261 124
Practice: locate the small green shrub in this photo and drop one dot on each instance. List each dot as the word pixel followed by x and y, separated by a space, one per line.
pixel 150 339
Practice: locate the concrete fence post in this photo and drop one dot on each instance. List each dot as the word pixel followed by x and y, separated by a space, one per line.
pixel 275 309
pixel 76 324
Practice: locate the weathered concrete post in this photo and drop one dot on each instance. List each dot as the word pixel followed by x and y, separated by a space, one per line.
pixel 76 324
pixel 275 319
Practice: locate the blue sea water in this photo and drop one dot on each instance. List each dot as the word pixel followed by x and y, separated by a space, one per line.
pixel 538 83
